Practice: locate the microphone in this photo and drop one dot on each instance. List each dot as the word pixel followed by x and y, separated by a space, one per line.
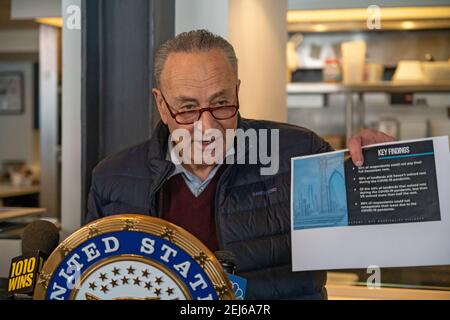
pixel 228 261
pixel 39 239
pixel 40 235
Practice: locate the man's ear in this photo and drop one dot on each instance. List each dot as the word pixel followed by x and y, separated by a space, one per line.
pixel 160 105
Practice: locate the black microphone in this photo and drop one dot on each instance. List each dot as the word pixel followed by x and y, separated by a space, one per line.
pixel 42 236
pixel 227 259
pixel 39 239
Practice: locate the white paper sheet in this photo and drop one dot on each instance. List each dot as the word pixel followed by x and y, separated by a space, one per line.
pixel 343 240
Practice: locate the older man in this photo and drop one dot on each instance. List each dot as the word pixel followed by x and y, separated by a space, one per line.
pixel 227 206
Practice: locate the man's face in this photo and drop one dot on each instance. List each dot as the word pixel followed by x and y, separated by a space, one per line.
pixel 191 81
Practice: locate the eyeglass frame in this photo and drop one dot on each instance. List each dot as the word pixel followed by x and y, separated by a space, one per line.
pixel 201 110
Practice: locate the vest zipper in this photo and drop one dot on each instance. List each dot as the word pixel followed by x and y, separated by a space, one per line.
pixel 155 192
pixel 216 217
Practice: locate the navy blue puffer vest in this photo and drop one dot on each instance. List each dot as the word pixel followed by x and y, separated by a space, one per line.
pixel 252 210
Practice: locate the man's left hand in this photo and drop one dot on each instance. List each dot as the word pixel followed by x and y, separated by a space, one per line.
pixel 363 138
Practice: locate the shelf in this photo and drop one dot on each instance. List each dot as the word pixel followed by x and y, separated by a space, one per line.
pixel 8 190
pixel 387 87
pixel 14 213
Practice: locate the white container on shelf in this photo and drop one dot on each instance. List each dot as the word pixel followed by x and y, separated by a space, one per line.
pixel 436 71
pixel 353 61
pixel 373 72
pixel 409 70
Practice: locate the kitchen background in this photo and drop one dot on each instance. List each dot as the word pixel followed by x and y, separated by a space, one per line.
pixel 404 89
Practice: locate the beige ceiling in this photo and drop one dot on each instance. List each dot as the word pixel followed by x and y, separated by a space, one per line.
pixel 7 23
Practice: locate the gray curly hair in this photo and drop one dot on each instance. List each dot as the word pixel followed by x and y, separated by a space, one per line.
pixel 193 41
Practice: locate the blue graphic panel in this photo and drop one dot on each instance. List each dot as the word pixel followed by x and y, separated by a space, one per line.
pixel 319 196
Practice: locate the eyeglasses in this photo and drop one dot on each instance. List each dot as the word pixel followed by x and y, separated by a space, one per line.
pixel 191 116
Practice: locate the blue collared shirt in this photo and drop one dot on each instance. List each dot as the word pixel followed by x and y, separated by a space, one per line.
pixel 194 183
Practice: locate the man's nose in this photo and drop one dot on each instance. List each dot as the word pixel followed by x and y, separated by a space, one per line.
pixel 208 120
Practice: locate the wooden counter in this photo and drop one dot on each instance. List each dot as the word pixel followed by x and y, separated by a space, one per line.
pixel 14 213
pixel 9 191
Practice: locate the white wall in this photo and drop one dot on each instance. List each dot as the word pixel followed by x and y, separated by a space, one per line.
pixel 202 14
pixel 16 131
pixel 258 32
pixel 71 126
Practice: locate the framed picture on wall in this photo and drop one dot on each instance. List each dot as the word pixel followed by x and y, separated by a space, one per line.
pixel 11 92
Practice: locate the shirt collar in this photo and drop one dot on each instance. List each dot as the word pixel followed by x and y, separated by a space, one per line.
pixel 195 184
